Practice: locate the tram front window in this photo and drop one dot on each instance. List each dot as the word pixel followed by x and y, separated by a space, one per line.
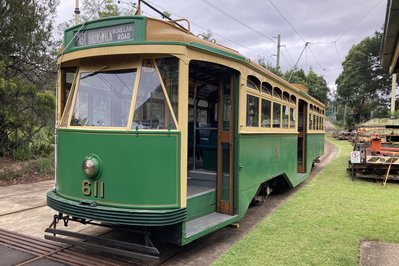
pixel 152 109
pixel 103 98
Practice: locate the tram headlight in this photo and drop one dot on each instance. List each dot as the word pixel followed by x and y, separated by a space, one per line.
pixel 91 166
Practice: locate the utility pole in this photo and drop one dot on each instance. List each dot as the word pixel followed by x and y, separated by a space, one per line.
pixel 278 53
pixel 77 12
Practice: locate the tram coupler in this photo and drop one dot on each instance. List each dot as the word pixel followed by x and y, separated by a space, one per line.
pixel 146 252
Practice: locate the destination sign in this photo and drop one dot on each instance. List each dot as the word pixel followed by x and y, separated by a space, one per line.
pixel 111 34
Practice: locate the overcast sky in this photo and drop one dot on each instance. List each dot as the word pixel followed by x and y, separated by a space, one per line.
pixel 331 27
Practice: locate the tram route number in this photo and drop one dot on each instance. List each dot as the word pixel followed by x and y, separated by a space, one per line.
pixel 94 188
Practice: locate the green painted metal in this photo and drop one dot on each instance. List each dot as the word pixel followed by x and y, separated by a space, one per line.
pixel 217 51
pixel 141 170
pixel 115 215
pixel 315 147
pixel 261 158
pixel 236 145
pixel 139 31
pixel 201 205
pixel 140 36
pixel 211 229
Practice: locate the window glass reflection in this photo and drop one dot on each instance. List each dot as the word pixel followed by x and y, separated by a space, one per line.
pixel 151 110
pixel 103 98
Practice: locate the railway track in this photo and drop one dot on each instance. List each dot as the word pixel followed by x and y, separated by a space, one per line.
pixel 21 250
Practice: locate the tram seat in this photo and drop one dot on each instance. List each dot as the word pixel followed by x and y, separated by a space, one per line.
pixel 208 148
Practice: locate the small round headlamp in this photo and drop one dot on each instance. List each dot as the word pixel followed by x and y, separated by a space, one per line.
pixel 91 166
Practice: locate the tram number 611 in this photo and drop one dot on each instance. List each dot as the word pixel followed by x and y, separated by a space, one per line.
pixel 95 187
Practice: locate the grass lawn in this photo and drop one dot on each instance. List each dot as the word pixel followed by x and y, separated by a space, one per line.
pixel 324 222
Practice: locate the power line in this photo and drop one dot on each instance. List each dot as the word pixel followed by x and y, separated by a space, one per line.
pixel 289 54
pixel 286 20
pixel 317 61
pixel 257 53
pixel 303 39
pixel 237 20
pixel 360 20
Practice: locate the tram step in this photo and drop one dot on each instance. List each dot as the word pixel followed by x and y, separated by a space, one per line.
pixel 211 221
pixel 203 175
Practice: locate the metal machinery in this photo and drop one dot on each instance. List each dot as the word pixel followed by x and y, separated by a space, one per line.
pixel 164 133
pixel 376 156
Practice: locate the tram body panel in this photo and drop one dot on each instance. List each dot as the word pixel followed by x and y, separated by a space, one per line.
pixel 129 162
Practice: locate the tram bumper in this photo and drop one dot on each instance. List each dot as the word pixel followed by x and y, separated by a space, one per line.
pixel 115 215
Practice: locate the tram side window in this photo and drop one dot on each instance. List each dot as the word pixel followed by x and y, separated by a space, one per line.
pixel 252 111
pixel 151 110
pixel 103 98
pixel 310 121
pixel 276 115
pixel 285 116
pixel 266 113
pixel 253 82
pixel 319 123
pixel 292 118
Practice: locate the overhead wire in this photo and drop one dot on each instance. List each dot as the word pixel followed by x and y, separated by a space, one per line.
pixel 286 20
pixel 237 20
pixel 360 20
pixel 293 28
pixel 255 52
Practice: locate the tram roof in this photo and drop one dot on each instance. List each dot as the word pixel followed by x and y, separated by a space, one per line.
pixel 136 30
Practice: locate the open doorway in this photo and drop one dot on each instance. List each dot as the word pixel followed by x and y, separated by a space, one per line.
pixel 210 131
pixel 302 124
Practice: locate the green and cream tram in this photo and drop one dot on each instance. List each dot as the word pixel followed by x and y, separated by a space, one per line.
pixel 161 130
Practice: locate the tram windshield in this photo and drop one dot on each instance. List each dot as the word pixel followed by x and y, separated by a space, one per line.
pixel 104 98
pixel 107 98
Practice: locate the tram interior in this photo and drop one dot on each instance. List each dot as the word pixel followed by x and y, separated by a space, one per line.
pixel 203 126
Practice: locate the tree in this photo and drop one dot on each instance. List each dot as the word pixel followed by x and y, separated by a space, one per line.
pixel 316 84
pixel 364 85
pixel 266 64
pixel 27 71
pixel 95 9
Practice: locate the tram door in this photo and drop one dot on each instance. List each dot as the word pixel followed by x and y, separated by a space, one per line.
pixel 302 125
pixel 225 144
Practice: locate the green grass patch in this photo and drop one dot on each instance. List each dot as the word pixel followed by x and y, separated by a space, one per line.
pixel 324 222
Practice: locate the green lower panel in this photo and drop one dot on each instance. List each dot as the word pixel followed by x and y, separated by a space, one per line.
pixel 201 205
pixel 261 158
pixel 139 169
pixel 118 216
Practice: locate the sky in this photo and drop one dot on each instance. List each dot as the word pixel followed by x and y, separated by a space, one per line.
pixel 330 27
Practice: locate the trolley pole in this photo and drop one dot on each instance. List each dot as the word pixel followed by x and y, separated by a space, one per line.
pixel 77 12
pixel 393 94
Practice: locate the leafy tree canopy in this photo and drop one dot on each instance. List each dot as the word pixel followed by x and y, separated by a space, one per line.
pixel 363 84
pixel 27 71
pixel 316 84
pixel 94 9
